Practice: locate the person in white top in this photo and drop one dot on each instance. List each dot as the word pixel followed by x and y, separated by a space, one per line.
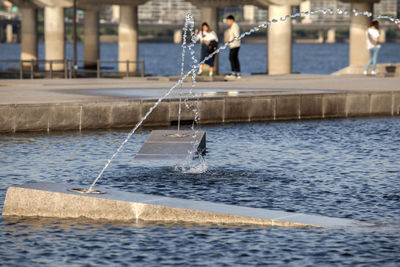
pixel 373 46
pixel 232 33
pixel 209 43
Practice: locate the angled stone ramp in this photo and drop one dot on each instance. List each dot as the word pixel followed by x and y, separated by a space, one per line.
pixel 58 201
pixel 171 145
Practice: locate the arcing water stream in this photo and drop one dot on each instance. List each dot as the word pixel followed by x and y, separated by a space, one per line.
pixel 189 26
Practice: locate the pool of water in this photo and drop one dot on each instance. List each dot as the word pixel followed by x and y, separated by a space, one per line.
pixel 339 168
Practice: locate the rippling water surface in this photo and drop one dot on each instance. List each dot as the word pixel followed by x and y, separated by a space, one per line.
pixel 339 168
pixel 164 58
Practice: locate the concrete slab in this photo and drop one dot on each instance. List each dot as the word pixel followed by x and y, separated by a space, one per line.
pixel 171 145
pixel 57 201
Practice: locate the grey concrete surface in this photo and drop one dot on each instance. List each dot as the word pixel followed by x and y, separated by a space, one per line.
pixel 47 105
pixel 172 145
pixel 57 201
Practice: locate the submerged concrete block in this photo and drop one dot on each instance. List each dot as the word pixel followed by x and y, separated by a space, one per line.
pixel 171 144
pixel 59 201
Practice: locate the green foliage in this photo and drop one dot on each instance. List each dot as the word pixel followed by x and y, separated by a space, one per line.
pixel 69 33
pixel 109 30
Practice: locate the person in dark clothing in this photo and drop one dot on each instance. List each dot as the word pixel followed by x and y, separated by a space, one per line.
pixel 232 33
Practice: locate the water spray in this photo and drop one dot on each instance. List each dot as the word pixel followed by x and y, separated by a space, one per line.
pixel 189 26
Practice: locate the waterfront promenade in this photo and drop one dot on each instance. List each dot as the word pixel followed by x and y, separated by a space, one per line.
pixel 35 105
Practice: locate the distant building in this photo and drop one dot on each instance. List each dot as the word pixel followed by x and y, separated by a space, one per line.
pixel 398 8
pixel 254 14
pixel 384 7
pixel 6 10
pixel 167 11
pixel 174 11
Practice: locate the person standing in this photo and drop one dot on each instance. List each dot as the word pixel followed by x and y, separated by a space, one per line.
pixel 209 43
pixel 373 46
pixel 232 33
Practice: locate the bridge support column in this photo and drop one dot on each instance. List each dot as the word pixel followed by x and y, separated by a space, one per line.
pixel 331 36
pixel 28 35
pixel 9 33
pixel 210 15
pixel 320 39
pixel 178 36
pixel 382 35
pixel 279 41
pixel 91 39
pixel 128 38
pixel 54 36
pixel 305 6
pixel 359 55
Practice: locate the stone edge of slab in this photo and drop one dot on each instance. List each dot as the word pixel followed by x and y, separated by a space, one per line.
pixel 45 200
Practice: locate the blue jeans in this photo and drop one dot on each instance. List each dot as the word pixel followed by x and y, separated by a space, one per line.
pixel 373 53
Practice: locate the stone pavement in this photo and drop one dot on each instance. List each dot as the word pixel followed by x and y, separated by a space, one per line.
pixel 47 105
pixel 83 90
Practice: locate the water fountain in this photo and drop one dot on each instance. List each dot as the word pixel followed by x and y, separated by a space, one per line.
pixel 178 144
pixel 67 201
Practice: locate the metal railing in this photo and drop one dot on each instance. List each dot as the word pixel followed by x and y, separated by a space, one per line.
pixel 68 70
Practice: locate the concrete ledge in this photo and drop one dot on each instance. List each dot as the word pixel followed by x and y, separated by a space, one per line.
pixel 56 201
pixel 359 69
pixel 334 106
pixel 49 117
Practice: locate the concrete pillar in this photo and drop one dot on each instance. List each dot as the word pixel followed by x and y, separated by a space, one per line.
pixel 305 6
pixel 128 37
pixel 249 13
pixel 279 41
pixel 54 36
pixel 331 36
pixel 115 13
pixel 28 35
pixel 320 39
pixel 210 15
pixel 382 35
pixel 178 36
pixel 91 38
pixel 359 55
pixel 9 33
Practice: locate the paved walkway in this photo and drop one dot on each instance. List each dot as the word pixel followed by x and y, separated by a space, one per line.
pixel 96 90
